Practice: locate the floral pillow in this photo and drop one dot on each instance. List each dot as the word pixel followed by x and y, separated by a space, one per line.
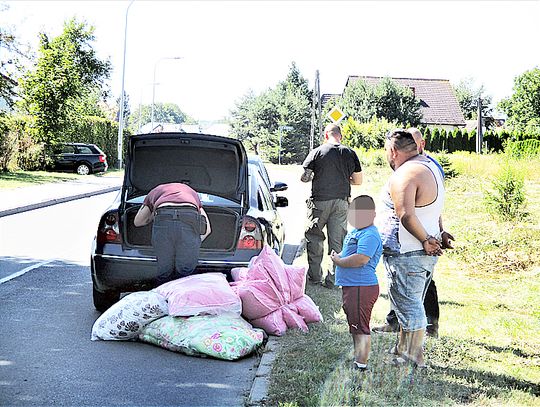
pixel 226 336
pixel 125 319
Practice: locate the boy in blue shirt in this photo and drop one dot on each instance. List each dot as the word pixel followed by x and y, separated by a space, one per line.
pixel 355 273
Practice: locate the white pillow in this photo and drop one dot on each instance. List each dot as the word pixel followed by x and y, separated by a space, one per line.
pixel 125 319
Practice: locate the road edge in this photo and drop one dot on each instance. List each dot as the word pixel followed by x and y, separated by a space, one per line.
pixel 259 389
pixel 31 207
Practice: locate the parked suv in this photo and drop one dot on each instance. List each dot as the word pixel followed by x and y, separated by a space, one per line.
pixel 81 158
pixel 236 198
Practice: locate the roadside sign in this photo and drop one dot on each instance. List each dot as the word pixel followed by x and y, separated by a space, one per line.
pixel 336 115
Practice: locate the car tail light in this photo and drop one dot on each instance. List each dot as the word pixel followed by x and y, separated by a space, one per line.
pixel 102 158
pixel 109 229
pixel 250 235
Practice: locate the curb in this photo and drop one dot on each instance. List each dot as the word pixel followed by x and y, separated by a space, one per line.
pixel 56 201
pixel 259 388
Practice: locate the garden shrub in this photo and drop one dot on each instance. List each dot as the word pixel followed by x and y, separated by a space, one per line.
pixel 506 200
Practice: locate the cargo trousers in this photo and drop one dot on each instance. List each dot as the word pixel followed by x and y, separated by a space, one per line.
pixel 331 214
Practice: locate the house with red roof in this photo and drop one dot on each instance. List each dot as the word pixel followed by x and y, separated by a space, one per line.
pixel 438 101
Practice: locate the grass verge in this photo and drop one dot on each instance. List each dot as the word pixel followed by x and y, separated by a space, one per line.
pixel 17 179
pixel 488 351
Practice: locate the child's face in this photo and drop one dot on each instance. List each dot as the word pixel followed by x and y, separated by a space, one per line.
pixel 361 218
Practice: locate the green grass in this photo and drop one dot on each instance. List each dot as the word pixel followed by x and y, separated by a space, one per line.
pixel 18 179
pixel 488 352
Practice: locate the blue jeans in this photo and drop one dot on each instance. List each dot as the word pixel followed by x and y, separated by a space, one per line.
pixel 176 242
pixel 408 277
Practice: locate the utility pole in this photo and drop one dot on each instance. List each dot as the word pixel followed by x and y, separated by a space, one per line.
pixel 479 138
pixel 121 113
pixel 316 109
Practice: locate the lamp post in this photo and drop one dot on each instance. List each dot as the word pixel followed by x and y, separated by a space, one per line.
pixel 280 128
pixel 154 88
pixel 121 112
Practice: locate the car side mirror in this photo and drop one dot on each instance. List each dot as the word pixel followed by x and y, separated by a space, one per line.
pixel 279 186
pixel 281 202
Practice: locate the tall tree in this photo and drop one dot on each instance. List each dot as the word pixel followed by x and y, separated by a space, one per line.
pixel 12 52
pixel 261 121
pixel 523 107
pixel 387 99
pixel 467 95
pixel 67 70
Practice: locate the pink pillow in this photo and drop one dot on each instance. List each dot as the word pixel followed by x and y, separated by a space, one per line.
pixel 200 294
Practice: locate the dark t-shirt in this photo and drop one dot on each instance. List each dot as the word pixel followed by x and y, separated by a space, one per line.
pixel 175 193
pixel 332 165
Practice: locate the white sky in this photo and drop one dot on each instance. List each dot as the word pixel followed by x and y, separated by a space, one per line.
pixel 229 47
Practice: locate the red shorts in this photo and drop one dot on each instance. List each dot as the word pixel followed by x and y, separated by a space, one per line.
pixel 358 303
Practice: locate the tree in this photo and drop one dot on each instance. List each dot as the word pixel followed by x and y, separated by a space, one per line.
pixel 10 65
pixel 163 113
pixel 127 110
pixel 256 120
pixel 467 96
pixel 523 107
pixel 67 71
pixel 387 99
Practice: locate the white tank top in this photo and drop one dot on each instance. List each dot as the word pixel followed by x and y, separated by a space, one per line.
pixel 428 215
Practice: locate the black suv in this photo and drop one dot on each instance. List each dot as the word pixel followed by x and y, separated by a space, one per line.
pixel 81 158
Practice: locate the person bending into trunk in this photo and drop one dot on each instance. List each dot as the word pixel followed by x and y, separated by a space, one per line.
pixel 180 224
pixel 355 273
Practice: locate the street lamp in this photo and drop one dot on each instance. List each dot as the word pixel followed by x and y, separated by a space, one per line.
pixel 154 88
pixel 121 115
pixel 279 130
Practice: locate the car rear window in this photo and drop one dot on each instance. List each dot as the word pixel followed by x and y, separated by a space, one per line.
pixel 85 150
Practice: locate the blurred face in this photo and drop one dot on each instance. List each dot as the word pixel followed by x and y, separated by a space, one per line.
pixel 361 218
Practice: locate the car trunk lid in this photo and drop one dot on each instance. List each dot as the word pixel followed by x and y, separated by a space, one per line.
pixel 209 164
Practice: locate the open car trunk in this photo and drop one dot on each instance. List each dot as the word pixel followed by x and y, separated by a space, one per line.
pixel 224 223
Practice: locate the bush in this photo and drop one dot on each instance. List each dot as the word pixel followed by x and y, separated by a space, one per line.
pixel 507 199
pixel 29 153
pixel 103 133
pixel 366 135
pixel 523 148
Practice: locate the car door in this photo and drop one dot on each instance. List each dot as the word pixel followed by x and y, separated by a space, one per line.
pixel 271 215
pixel 66 158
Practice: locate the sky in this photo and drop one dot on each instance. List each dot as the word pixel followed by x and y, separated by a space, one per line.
pixel 228 48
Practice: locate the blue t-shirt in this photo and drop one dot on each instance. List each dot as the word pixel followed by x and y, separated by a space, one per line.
pixel 365 241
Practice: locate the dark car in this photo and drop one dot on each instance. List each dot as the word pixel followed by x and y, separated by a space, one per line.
pixel 274 186
pixel 242 212
pixel 81 158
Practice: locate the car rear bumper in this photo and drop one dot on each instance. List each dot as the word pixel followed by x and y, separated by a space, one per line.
pixel 126 273
pixel 100 167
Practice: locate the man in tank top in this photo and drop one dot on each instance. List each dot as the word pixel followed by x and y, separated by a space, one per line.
pixel 417 192
pixel 431 300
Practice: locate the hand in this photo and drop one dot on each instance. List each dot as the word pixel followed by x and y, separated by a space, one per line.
pixel 446 240
pixel 335 257
pixel 432 246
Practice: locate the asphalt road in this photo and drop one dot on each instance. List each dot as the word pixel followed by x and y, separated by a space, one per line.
pixel 46 315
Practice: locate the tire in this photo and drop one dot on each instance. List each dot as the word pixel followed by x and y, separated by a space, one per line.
pixel 83 169
pixel 103 301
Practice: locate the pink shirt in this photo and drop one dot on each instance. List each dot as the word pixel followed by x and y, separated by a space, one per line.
pixel 174 193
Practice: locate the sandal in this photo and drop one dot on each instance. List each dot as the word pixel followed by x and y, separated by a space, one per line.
pixel 359 366
pixel 403 359
pixel 394 351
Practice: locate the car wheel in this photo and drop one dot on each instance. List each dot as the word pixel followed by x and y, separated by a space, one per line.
pixel 83 169
pixel 103 301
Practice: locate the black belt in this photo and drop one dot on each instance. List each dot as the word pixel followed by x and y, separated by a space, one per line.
pixel 173 210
